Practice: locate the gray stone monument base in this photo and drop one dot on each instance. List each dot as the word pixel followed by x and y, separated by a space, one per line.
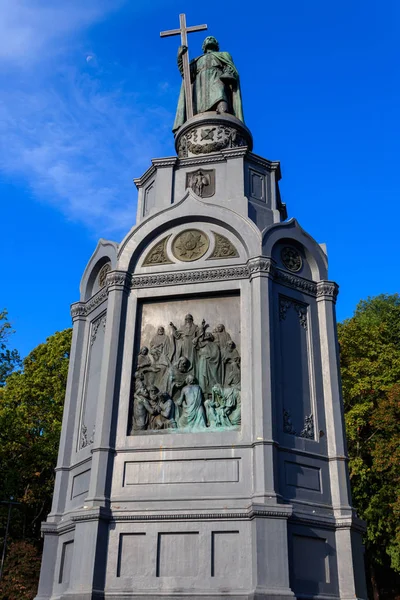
pixel 195 464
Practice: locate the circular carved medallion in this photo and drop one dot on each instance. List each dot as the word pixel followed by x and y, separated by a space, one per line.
pixel 291 258
pixel 103 274
pixel 190 245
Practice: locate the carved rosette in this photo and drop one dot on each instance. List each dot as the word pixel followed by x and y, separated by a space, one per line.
pixel 210 132
pixel 190 245
pixel 291 258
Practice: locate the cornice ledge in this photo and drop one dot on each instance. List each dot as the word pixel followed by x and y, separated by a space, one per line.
pixel 260 264
pixel 216 157
pixel 140 181
pixel 351 522
pixel 298 283
pixel 271 165
pixel 182 277
pixel 277 513
pixel 93 514
pixel 118 279
pixel 78 311
pixel 168 161
pixel 235 152
pixel 327 290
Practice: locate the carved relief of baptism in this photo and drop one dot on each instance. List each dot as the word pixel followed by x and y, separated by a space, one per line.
pixel 186 374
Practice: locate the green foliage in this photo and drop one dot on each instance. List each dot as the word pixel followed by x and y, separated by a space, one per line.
pixel 370 368
pixel 31 407
pixel 9 359
pixel 21 573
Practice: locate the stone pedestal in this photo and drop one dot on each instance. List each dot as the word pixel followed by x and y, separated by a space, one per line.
pixel 230 478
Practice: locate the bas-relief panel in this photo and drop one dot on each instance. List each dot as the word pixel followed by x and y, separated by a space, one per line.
pixel 187 366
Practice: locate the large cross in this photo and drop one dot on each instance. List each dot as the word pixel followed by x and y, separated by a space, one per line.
pixel 183 31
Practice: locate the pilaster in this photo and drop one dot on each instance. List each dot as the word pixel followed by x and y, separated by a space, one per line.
pixel 118 285
pixel 265 481
pixel 78 314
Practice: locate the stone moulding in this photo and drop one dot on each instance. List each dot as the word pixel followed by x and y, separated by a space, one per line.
pixel 323 290
pixel 182 277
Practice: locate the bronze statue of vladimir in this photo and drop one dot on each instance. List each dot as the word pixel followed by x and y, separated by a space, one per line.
pixel 215 83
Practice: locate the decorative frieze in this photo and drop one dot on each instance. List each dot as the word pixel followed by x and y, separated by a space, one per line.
pixel 198 276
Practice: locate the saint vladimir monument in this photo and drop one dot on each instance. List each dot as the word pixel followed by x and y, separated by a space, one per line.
pixel 202 452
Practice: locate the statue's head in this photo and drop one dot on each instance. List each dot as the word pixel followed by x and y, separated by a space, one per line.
pixel 188 318
pixel 161 330
pixel 231 345
pixel 209 336
pixel 210 43
pixel 220 328
pixel 183 364
pixel 190 380
pixel 144 350
pixel 153 392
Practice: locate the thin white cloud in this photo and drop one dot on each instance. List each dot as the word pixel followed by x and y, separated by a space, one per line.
pixel 31 28
pixel 76 141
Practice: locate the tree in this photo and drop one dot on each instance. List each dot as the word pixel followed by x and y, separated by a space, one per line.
pixel 9 359
pixel 31 406
pixel 370 369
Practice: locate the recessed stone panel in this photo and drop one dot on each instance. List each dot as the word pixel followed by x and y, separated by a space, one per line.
pixel 225 554
pixel 303 476
pixel 133 556
pixel 311 559
pixel 66 562
pixel 80 484
pixel 178 554
pixel 181 471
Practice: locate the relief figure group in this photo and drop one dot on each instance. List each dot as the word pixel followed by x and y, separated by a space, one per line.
pixel 187 380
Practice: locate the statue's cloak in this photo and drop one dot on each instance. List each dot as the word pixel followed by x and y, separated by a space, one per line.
pixel 208 88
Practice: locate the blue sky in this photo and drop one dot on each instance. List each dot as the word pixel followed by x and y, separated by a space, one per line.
pixel 88 95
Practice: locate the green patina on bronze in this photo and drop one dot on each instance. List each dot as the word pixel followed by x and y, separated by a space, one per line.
pixel 215 83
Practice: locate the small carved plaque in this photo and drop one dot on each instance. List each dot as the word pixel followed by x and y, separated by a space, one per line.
pixel 223 248
pixel 190 245
pixel 291 258
pixel 103 274
pixel 202 182
pixel 158 254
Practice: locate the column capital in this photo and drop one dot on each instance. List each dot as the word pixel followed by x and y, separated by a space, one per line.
pixel 78 311
pixel 327 290
pixel 261 265
pixel 120 280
